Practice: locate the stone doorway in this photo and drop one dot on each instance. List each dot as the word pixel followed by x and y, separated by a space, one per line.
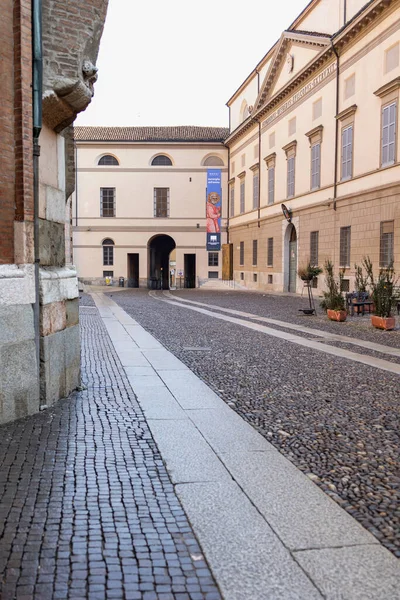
pixel 159 250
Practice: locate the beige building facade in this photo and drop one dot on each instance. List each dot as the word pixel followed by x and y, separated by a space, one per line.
pixel 139 209
pixel 314 148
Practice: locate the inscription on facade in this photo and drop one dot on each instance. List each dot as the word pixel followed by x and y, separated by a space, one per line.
pixel 300 94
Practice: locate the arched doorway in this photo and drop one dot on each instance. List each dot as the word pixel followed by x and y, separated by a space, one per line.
pixel 290 259
pixel 159 249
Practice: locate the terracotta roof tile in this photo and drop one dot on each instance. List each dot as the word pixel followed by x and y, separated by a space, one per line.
pixel 180 133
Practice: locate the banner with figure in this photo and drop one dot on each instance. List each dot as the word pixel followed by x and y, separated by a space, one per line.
pixel 213 209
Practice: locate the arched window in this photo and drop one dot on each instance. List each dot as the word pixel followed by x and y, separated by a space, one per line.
pixel 108 252
pixel 108 161
pixel 213 161
pixel 161 161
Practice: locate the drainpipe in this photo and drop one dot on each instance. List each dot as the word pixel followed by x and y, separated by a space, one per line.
pixel 37 78
pixel 259 160
pixel 228 195
pixel 345 12
pixel 76 184
pixel 336 126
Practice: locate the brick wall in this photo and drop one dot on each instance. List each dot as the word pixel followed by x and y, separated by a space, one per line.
pixel 16 174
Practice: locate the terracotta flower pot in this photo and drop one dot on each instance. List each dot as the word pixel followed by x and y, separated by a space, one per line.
pixel 337 315
pixel 386 323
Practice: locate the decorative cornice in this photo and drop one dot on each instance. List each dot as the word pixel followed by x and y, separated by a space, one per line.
pixel 388 88
pixel 270 157
pixel 241 175
pixel 231 181
pixel 255 167
pixel 313 132
pixel 347 112
pixel 290 146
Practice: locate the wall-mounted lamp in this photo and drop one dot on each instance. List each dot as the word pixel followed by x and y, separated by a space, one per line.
pixel 190 179
pixel 198 225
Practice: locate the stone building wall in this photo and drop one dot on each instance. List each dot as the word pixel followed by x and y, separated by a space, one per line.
pixel 71 37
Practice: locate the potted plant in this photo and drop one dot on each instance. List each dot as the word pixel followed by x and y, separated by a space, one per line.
pixel 383 295
pixel 308 272
pixel 333 302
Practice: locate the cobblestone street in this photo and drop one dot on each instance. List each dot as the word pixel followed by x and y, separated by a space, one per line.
pixel 87 509
pixel 335 419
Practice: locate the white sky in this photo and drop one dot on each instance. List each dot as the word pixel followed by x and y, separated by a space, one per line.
pixel 178 62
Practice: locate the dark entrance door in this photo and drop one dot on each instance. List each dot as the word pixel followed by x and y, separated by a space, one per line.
pixel 160 248
pixel 293 260
pixel 190 270
pixel 133 270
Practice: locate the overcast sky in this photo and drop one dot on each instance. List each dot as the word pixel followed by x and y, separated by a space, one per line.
pixel 178 62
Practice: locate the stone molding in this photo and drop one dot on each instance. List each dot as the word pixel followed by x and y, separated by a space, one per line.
pixel 347 112
pixel 57 284
pixel 17 284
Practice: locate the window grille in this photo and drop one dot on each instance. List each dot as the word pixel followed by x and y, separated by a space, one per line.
pixel 213 259
pixel 255 252
pixel 108 160
pixel 314 242
pixel 270 252
pixel 107 202
pixel 386 255
pixel 345 242
pixel 161 161
pixel 161 202
pixel 241 254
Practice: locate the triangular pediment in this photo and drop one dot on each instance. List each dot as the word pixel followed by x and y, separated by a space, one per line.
pixel 294 51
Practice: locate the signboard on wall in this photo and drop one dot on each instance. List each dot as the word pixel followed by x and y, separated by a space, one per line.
pixel 213 209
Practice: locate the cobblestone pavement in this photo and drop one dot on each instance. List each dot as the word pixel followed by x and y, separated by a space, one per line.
pixel 87 509
pixel 336 420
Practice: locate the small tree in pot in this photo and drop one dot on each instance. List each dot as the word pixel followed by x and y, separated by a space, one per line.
pixel 308 272
pixel 333 302
pixel 382 293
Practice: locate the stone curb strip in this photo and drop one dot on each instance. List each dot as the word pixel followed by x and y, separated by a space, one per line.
pixel 267 531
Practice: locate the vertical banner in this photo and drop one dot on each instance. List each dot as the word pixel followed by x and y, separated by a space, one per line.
pixel 213 209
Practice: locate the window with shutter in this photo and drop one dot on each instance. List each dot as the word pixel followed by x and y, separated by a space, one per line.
pixel 389 134
pixel 255 252
pixel 345 241
pixel 387 244
pixel 241 254
pixel 255 190
pixel 290 176
pixel 232 202
pixel 347 152
pixel 270 252
pixel 315 166
pixel 271 185
pixel 242 196
pixel 314 241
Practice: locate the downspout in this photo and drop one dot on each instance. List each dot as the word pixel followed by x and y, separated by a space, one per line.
pixel 228 195
pixel 345 12
pixel 259 158
pixel 37 85
pixel 336 126
pixel 76 184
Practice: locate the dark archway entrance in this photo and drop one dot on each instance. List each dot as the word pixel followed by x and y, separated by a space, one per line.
pixel 160 248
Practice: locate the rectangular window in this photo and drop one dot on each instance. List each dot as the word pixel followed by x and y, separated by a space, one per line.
pixel 290 176
pixel 233 167
pixel 213 259
pixel 389 134
pixel 232 201
pixel 108 255
pixel 255 252
pixel 241 254
pixel 161 202
pixel 212 274
pixel 292 126
pixel 386 255
pixel 256 150
pixel 270 252
pixel 243 160
pixel 317 109
pixel 270 279
pixel 242 196
pixel 347 152
pixel 272 139
pixel 271 185
pixel 316 166
pixel 255 189
pixel 255 278
pixel 345 242
pixel 350 86
pixel 392 58
pixel 108 273
pixel 107 202
pixel 314 242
